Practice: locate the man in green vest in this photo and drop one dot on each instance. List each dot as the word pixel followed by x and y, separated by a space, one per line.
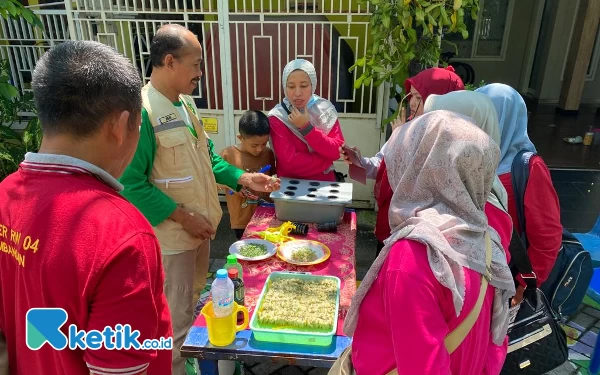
pixel 173 176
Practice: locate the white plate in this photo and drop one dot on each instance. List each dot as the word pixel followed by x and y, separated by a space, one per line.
pixel 287 249
pixel 235 249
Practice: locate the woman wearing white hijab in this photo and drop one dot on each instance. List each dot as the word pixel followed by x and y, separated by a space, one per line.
pixel 541 205
pixel 428 275
pixel 305 131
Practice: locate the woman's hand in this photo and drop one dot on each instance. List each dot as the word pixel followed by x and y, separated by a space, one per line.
pixel 299 119
pixel 400 120
pixel 344 156
pixel 518 298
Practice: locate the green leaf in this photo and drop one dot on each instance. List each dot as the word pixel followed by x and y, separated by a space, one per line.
pixel 398 68
pixel 358 82
pixel 386 21
pixel 419 15
pixel 432 7
pixel 38 22
pixel 5 156
pixel 432 21
pixel 11 9
pixel 380 81
pixel 378 68
pixel 474 12
pixel 409 56
pixel 6 133
pixel 28 15
pixel 8 91
pixel 360 62
pixel 412 35
pixel 391 118
pixel 4 13
pixel 465 34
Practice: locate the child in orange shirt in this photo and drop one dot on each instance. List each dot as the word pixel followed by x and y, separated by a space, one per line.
pixel 251 155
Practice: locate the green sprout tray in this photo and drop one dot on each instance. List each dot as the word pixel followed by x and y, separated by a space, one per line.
pixel 300 336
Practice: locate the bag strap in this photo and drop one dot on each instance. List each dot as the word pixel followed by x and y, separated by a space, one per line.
pixel 520 176
pixel 456 337
pixel 518 242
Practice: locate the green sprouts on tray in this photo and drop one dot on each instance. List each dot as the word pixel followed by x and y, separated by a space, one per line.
pixel 299 303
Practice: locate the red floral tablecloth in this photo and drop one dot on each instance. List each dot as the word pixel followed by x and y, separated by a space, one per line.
pixel 341 263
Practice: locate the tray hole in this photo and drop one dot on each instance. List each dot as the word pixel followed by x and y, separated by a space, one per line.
pixel 332 197
pixel 314 183
pixel 294 182
pixel 334 191
pixel 293 188
pixel 311 195
pixel 289 193
pixel 335 185
pixel 312 189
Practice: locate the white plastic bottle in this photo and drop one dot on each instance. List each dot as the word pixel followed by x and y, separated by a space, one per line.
pixel 222 291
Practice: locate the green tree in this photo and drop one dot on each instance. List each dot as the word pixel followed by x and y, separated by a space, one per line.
pixel 14 145
pixel 408 33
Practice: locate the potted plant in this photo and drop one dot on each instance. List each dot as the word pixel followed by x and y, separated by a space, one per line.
pixel 406 38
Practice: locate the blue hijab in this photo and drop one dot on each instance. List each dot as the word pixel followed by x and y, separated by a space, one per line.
pixel 512 116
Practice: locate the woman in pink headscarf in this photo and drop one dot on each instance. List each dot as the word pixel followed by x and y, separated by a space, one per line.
pixel 428 276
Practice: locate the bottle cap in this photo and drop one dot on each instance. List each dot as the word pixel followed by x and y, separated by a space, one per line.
pixel 231 259
pixel 232 273
pixel 221 274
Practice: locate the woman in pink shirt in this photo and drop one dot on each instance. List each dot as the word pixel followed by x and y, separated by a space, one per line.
pixel 427 277
pixel 305 131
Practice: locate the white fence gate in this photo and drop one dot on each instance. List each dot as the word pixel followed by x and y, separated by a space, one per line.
pixel 246 44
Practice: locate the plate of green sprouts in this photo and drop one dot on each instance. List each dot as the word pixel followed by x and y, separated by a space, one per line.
pixel 253 249
pixel 303 252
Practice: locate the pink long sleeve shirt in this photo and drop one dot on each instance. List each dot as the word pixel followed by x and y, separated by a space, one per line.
pixel 293 158
pixel 407 313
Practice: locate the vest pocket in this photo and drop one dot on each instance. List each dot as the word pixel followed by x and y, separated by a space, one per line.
pixel 171 153
pixel 181 190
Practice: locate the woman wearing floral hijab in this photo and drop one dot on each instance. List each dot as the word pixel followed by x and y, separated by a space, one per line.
pixel 428 275
pixel 305 131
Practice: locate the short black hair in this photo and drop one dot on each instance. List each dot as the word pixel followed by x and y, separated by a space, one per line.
pixel 77 85
pixel 254 123
pixel 167 40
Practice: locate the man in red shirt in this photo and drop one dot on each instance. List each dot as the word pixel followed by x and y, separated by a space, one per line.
pixel 69 241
